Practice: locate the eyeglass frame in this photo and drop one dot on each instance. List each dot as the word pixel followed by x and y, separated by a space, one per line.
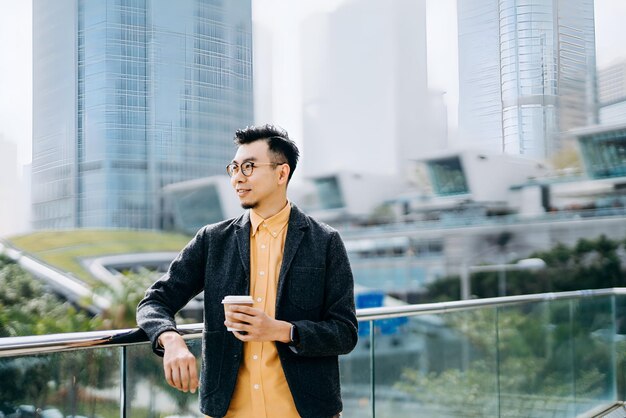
pixel 252 164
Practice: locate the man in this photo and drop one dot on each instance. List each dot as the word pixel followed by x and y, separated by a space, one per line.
pixel 284 360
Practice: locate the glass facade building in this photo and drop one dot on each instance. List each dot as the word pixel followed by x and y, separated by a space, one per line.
pixel 612 94
pixel 604 153
pixel 527 73
pixel 130 96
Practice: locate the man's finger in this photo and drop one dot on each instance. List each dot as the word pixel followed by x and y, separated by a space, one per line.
pixel 240 336
pixel 168 374
pixel 245 309
pixel 239 326
pixel 242 317
pixel 193 377
pixel 176 378
pixel 184 377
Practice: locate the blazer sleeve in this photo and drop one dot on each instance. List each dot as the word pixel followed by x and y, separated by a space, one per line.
pixel 168 295
pixel 337 333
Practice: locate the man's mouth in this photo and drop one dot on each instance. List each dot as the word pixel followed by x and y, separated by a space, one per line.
pixel 242 192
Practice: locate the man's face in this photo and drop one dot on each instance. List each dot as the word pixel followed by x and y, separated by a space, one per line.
pixel 264 183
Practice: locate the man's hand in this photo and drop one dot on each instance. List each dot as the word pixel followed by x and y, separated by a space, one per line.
pixel 257 324
pixel 179 364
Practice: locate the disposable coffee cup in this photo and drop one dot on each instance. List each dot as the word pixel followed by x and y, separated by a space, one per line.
pixel 236 300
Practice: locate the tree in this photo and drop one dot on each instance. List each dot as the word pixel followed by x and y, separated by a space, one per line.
pixel 589 264
pixel 28 308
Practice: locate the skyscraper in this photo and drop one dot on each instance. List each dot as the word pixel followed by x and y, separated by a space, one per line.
pixel 129 96
pixel 366 103
pixel 526 73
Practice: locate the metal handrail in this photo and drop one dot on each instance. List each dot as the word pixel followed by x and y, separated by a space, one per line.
pixel 51 343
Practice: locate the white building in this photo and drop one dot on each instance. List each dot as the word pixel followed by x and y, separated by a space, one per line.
pixel 14 192
pixel 366 103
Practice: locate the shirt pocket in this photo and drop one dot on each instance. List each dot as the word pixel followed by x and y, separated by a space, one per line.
pixel 306 287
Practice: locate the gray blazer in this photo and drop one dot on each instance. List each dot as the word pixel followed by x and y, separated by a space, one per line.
pixel 315 292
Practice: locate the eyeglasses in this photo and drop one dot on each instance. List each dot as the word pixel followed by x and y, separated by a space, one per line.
pixel 246 168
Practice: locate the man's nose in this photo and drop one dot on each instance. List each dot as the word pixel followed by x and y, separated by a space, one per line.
pixel 238 177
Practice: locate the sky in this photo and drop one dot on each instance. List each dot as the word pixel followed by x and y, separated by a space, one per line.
pixel 284 16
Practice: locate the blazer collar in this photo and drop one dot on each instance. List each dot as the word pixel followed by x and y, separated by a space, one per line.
pixel 296 219
pixel 243 219
pixel 298 223
pixel 242 235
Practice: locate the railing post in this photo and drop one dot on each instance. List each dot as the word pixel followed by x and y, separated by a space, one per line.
pixel 465 282
pixel 372 370
pixel 614 332
pixel 123 382
pixel 498 359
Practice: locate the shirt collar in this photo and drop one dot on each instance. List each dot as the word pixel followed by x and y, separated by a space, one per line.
pixel 274 224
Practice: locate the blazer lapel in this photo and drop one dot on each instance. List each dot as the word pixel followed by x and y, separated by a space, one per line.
pixel 295 233
pixel 243 243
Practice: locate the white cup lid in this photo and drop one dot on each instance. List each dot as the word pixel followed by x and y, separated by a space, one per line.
pixel 238 299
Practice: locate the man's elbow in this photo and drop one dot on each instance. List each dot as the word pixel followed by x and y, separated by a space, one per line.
pixel 350 341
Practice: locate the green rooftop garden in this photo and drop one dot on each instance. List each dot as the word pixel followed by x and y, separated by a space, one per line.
pixel 64 249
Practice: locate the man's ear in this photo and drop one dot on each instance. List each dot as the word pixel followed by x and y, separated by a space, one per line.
pixel 283 175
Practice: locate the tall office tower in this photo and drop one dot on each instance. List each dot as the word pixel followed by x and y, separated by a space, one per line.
pixel 526 73
pixel 129 96
pixel 612 93
pixel 366 104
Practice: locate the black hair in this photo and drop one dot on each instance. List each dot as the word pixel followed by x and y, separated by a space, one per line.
pixel 277 140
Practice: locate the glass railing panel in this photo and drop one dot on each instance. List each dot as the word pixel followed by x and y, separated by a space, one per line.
pixel 620 346
pixel 535 360
pixel 148 393
pixel 556 358
pixel 81 383
pixel 550 356
pixel 356 376
pixel 594 362
pixel 437 365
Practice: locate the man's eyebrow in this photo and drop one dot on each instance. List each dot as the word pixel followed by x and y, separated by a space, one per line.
pixel 245 160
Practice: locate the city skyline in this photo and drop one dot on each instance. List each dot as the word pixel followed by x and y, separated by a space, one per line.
pixel 279 50
pixel 16 45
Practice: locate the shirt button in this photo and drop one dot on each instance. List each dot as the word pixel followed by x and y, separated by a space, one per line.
pixel 255 357
pixel 274 233
pixel 257 386
pixel 261 273
pixel 264 224
pixel 259 299
pixel 262 246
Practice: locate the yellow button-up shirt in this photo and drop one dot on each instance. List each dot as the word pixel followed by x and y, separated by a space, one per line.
pixel 261 390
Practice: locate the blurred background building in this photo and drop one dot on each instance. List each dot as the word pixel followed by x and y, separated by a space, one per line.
pixel 130 96
pixel 471 206
pixel 365 98
pixel 612 93
pixel 527 72
pixel 14 190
